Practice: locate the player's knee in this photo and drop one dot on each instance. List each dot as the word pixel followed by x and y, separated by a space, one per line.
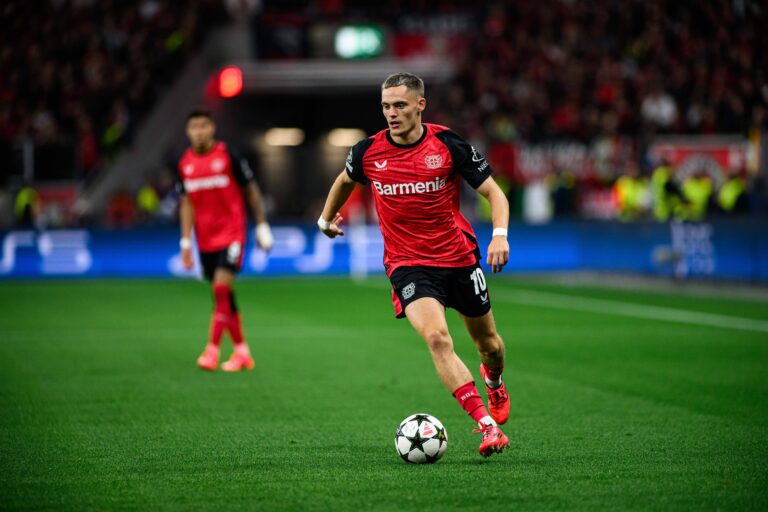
pixel 491 345
pixel 439 341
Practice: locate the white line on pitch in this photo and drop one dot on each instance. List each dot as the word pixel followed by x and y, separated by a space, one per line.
pixel 611 307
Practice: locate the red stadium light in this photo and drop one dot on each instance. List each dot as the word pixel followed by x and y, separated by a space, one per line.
pixel 230 82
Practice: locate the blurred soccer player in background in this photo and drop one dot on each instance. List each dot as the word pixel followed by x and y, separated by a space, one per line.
pixel 215 184
pixel 431 254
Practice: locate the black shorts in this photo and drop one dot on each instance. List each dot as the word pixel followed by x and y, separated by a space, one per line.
pixel 463 289
pixel 230 258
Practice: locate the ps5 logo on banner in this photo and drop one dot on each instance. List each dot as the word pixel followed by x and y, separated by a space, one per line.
pixel 63 252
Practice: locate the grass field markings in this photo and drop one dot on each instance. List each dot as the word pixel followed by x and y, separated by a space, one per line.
pixel 606 306
pixel 172 333
pixel 629 309
pixel 622 396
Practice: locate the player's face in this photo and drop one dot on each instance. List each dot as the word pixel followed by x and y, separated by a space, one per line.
pixel 402 110
pixel 200 131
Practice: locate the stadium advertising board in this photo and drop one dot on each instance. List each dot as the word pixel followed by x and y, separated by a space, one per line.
pixel 728 249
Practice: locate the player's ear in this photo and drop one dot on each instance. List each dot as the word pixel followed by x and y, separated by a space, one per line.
pixel 422 104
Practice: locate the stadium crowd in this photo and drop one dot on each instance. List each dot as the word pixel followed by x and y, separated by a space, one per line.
pixel 608 75
pixel 83 72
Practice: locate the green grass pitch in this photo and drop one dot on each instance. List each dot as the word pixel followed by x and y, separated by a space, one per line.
pixel 102 407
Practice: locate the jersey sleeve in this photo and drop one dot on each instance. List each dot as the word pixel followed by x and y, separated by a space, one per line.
pixel 172 164
pixel 467 161
pixel 354 164
pixel 241 170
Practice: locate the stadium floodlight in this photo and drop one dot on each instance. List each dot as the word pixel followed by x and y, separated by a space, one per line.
pixel 345 137
pixel 230 82
pixel 359 41
pixel 284 137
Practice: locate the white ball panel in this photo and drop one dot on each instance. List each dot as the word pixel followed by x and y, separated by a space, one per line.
pixel 417 457
pixel 431 447
pixel 403 444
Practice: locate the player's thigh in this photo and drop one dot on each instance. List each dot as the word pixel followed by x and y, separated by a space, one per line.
pixel 210 262
pixel 427 316
pixel 226 264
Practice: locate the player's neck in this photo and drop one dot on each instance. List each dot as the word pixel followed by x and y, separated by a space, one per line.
pixel 201 150
pixel 409 138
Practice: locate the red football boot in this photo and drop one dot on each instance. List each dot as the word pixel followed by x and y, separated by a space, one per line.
pixel 494 440
pixel 209 359
pixel 240 360
pixel 498 400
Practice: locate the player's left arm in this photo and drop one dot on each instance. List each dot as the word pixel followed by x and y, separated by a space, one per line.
pixel 476 171
pixel 498 249
pixel 255 200
pixel 253 197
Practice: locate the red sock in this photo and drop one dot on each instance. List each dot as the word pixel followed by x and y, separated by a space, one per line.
pixel 222 311
pixel 470 401
pixel 494 373
pixel 236 329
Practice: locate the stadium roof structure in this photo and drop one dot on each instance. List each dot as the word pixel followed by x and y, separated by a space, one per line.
pixel 331 75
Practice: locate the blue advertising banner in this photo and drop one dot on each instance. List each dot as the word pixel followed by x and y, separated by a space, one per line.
pixel 730 250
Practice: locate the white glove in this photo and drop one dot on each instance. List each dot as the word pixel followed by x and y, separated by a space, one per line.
pixel 264 236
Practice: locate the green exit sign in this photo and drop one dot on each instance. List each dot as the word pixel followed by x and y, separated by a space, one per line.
pixel 359 41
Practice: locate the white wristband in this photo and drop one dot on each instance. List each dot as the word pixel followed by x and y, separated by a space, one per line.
pixel 500 232
pixel 323 224
pixel 264 236
pixel 185 243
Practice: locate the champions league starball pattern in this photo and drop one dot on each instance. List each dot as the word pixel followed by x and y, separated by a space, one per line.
pixel 421 439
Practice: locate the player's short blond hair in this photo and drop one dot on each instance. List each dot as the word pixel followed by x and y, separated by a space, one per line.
pixel 409 80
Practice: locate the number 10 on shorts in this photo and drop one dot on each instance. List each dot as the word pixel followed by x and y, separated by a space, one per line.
pixel 478 279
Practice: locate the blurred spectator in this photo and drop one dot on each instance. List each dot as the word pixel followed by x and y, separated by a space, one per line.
pixel 667 196
pixel 732 198
pixel 696 193
pixel 27 208
pixel 659 108
pixel 147 203
pixel 632 194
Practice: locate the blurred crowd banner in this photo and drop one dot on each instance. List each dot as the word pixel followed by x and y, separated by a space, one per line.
pixel 728 249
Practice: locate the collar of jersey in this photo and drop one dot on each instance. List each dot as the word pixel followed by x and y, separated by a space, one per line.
pixel 412 144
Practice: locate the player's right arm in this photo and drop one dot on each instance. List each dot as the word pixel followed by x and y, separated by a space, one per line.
pixel 186 219
pixel 186 216
pixel 342 188
pixel 340 191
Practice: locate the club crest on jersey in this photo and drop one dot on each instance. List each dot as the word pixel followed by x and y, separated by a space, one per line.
pixel 218 165
pixel 381 166
pixel 409 290
pixel 433 161
pixel 188 169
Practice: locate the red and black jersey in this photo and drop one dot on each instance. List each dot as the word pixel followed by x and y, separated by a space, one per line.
pixel 213 181
pixel 416 192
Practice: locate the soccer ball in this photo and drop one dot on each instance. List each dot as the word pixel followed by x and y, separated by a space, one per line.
pixel 421 439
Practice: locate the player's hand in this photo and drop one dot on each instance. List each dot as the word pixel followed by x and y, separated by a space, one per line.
pixel 186 259
pixel 332 230
pixel 264 236
pixel 498 253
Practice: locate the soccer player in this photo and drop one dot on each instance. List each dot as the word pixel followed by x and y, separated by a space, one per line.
pixel 215 184
pixel 431 254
